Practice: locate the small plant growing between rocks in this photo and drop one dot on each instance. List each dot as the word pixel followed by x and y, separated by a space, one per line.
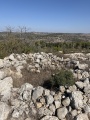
pixel 62 78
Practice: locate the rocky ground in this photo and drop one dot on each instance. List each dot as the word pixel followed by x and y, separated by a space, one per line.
pixel 22 100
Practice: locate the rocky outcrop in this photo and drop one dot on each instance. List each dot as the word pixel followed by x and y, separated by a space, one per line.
pixel 37 103
pixel 13 64
pixel 33 103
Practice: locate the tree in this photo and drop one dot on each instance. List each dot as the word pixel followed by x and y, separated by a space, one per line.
pixel 9 31
pixel 23 31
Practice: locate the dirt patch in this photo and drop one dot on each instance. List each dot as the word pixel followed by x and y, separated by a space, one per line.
pixel 33 78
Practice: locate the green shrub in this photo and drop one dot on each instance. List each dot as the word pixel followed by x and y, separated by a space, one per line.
pixel 64 77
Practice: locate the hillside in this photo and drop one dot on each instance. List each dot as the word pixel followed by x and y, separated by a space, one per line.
pixel 52 37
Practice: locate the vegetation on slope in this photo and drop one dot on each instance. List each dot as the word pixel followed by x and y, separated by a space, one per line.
pixel 11 42
pixel 62 78
pixel 19 46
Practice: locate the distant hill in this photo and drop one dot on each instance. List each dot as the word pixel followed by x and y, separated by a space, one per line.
pixel 49 37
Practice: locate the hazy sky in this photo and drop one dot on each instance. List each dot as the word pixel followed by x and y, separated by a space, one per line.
pixel 46 15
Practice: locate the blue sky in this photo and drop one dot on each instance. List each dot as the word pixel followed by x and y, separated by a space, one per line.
pixel 46 15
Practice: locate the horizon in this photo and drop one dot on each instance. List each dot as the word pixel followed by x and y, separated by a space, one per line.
pixel 50 16
pixel 4 31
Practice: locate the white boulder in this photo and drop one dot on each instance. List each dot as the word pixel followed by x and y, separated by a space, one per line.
pixel 5 88
pixel 4 111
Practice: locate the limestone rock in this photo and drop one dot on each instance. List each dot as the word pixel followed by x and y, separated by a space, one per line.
pixel 66 102
pixel 82 66
pixel 80 84
pixel 25 91
pixel 77 99
pixel 82 117
pixel 52 108
pixel 1 63
pixel 11 57
pixel 85 74
pixel 62 89
pixel 49 118
pixel 5 88
pixel 61 112
pixel 87 89
pixel 49 99
pixel 73 88
pixel 15 114
pixel 28 119
pixel 2 75
pixel 74 113
pixel 86 81
pixel 87 109
pixel 15 102
pixel 57 104
pixel 58 96
pixel 37 93
pixel 4 111
pixel 44 111
pixel 38 104
pixel 46 92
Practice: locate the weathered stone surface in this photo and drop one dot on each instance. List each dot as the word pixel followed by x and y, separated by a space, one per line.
pixel 73 88
pixel 42 100
pixel 74 113
pixel 37 93
pixel 2 75
pixel 66 102
pixel 52 93
pixel 87 89
pixel 82 66
pixel 46 92
pixel 49 99
pixel 1 63
pixel 80 84
pixel 57 104
pixel 19 68
pixel 25 91
pixel 28 119
pixel 5 88
pixel 52 108
pixel 77 99
pixel 87 109
pixel 58 96
pixel 85 74
pixel 79 76
pixel 82 117
pixel 44 111
pixel 86 81
pixel 38 104
pixel 15 114
pixel 62 89
pixel 4 111
pixel 11 57
pixel 15 102
pixel 61 112
pixel 49 118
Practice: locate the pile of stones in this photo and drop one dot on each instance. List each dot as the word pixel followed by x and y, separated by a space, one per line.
pixel 29 103
pixel 37 103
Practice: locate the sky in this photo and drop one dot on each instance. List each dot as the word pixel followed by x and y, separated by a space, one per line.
pixel 63 16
